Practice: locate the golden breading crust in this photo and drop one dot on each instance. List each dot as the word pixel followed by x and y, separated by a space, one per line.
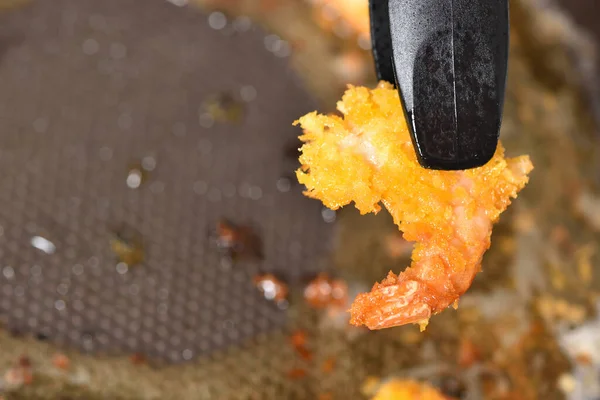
pixel 366 156
pixel 408 390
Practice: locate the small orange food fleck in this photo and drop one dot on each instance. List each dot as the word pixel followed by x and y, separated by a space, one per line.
pixel 366 156
pixel 584 359
pixel 61 361
pixel 324 292
pixel 328 365
pixel 238 241
pixel 297 373
pixel 137 359
pixel 298 338
pixel 298 341
pixel 304 353
pixel 407 390
pixel 468 353
pixel 24 361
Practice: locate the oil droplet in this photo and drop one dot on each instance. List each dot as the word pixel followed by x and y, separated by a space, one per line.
pixel 118 51
pixel 157 187
pixel 187 354
pixel 283 49
pixel 272 43
pixel 214 195
pixel 40 125
pixel 62 289
pixel 138 172
pixel 200 187
pixel 105 153
pixel 206 120
pixel 97 22
pixel 229 190
pixel 8 272
pixel 134 178
pixel 178 3
pixel 148 163
pixel 242 24
pixel 248 93
pixel 43 244
pixel 35 270
pixel 125 121
pixel 60 305
pixel 217 20
pixel 255 193
pixel 284 185
pixel 122 268
pixel 179 129
pixel 90 47
pixel 328 215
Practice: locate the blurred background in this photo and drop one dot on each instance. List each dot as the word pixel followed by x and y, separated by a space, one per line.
pixel 154 243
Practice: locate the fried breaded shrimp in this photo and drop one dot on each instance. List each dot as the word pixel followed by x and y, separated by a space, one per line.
pixel 407 390
pixel 366 156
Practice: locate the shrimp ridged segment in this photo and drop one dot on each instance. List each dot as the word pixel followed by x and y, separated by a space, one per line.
pixel 366 156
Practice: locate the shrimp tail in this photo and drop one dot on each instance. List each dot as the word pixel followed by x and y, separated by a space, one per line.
pixel 392 303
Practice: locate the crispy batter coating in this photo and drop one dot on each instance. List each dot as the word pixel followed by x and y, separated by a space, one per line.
pixel 408 390
pixel 366 156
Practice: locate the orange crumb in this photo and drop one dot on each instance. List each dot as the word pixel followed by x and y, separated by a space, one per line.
pixel 61 361
pixel 297 373
pixel 24 361
pixel 269 5
pixel 298 338
pixel 328 365
pixel 468 354
pixel 323 292
pixel 584 359
pixel 18 376
pixel 304 353
pixel 27 376
pixel 298 45
pixel 137 359
pixel 559 234
pixel 407 390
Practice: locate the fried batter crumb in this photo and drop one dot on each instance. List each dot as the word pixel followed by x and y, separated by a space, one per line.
pixel 408 390
pixel 323 292
pixel 366 156
pixel 61 361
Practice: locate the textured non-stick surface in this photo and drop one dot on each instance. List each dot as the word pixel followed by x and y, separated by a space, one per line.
pixel 89 88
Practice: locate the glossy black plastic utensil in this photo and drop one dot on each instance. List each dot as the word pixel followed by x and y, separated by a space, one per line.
pixel 448 59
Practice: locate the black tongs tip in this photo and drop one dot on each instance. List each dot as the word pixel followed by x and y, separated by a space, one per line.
pixel 448 60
